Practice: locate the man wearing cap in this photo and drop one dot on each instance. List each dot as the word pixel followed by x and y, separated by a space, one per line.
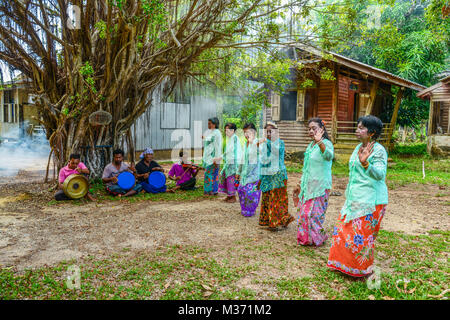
pixel 144 168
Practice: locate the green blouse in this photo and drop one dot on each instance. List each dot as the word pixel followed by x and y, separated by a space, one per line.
pixel 232 156
pixel 316 177
pixel 213 147
pixel 366 187
pixel 250 170
pixel 273 169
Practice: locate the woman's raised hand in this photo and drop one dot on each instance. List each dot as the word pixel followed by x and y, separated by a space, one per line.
pixel 318 134
pixel 365 152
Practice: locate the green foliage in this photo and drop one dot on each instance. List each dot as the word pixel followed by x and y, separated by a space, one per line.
pixel 86 69
pixel 101 27
pixel 408 38
pixel 410 149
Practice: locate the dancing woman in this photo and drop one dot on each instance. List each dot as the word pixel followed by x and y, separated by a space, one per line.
pixel 352 246
pixel 211 157
pixel 273 184
pixel 232 161
pixel 248 191
pixel 315 185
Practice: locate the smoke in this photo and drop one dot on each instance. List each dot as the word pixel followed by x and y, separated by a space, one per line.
pixel 21 152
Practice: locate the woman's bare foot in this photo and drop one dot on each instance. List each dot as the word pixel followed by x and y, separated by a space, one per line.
pixel 231 200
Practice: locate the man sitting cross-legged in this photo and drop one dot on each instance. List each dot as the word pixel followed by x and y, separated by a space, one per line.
pixel 75 166
pixel 145 167
pixel 111 172
pixel 184 173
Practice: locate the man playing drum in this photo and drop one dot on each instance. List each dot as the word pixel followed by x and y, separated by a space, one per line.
pixel 144 168
pixel 111 172
pixel 75 166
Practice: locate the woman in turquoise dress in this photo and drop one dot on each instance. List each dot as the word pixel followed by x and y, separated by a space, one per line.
pixel 353 243
pixel 273 184
pixel 315 185
pixel 211 157
pixel 249 174
pixel 232 160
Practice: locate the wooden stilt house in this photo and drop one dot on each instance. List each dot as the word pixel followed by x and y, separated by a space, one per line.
pixel 438 121
pixel 354 89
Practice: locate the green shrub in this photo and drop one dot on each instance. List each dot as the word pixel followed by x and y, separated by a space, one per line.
pixel 410 149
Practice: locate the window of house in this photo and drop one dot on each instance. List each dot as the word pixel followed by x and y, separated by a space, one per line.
pixel 5 113
pixel 8 96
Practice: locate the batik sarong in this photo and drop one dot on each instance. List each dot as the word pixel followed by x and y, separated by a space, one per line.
pixel 211 185
pixel 353 244
pixel 310 218
pixel 249 196
pixel 274 208
pixel 227 185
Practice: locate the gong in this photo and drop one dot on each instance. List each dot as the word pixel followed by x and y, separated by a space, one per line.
pixel 76 186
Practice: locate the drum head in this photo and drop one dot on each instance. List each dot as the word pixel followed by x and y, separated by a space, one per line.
pixel 126 180
pixel 76 186
pixel 157 179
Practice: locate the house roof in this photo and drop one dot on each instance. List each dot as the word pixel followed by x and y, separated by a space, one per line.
pixel 365 68
pixel 439 91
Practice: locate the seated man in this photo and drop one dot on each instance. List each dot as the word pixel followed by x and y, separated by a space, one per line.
pixel 75 166
pixel 144 168
pixel 111 172
pixel 184 174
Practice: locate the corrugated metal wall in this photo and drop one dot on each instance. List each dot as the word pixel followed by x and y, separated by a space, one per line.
pixel 157 126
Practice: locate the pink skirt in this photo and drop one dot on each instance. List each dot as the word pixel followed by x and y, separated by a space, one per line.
pixel 310 218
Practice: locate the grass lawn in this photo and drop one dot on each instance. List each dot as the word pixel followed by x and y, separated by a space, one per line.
pixel 417 269
pixel 412 267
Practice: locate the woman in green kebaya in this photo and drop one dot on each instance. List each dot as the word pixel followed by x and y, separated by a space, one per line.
pixel 315 184
pixel 352 245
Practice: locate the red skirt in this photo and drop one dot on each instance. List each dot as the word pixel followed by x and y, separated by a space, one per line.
pixel 352 245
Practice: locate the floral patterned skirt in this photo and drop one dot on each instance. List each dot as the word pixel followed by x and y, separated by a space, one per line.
pixel 352 246
pixel 311 215
pixel 227 184
pixel 274 208
pixel 249 196
pixel 211 185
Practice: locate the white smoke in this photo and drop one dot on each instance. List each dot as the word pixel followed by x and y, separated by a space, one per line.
pixel 21 152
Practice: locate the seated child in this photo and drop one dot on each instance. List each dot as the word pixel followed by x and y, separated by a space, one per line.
pixel 184 173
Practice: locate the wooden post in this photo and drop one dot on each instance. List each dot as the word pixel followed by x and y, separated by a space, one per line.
pixel 398 101
pixel 334 105
pixel 300 110
pixel 430 118
pixel 373 95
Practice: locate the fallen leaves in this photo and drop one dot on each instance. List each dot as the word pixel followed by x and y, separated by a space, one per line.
pixel 440 296
pixel 206 287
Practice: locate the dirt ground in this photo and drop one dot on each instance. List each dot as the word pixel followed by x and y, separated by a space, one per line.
pixel 34 233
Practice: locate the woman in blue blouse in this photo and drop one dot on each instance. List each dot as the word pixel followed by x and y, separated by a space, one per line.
pixel 273 183
pixel 352 247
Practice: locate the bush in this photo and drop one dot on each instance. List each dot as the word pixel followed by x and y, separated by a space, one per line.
pixel 410 149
